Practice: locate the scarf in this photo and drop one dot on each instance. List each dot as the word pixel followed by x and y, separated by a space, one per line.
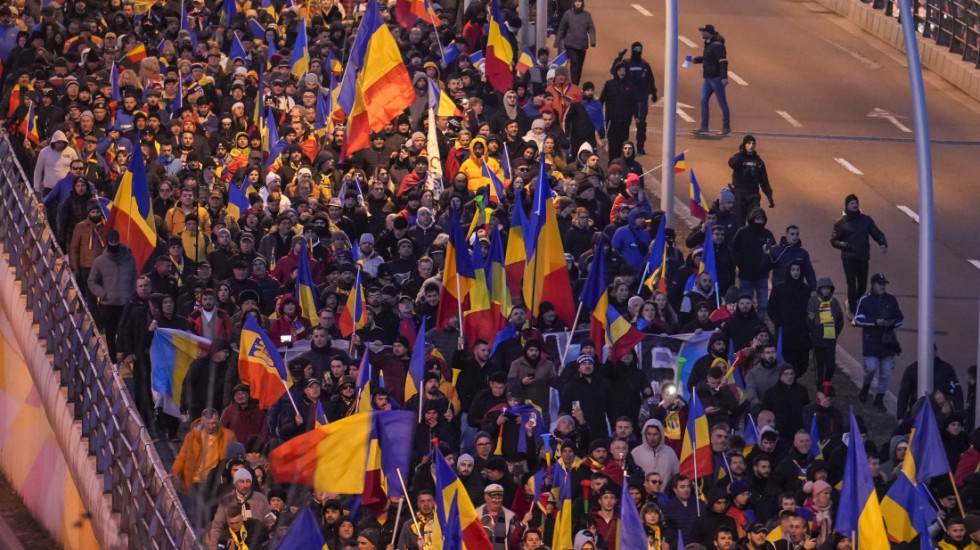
pixel 238 539
pixel 827 321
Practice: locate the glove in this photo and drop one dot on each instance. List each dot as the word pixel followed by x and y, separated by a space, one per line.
pixel 621 54
pixel 772 204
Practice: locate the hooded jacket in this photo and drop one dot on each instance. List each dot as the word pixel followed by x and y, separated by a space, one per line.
pixel 813 315
pixel 296 326
pixel 710 521
pixel 473 166
pixel 113 276
pixel 661 459
pixel 576 30
pixel 633 243
pixel 753 263
pixel 52 165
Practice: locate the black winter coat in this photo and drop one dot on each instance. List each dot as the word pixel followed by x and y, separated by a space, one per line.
pixel 619 100
pixel 593 398
pixel 787 309
pixel 753 262
pixel 851 236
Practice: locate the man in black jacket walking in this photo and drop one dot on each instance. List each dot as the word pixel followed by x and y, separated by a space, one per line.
pixel 851 236
pixel 620 102
pixel 715 73
pixel 644 86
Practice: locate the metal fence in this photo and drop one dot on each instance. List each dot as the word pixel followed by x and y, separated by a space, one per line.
pixel 954 24
pixel 150 513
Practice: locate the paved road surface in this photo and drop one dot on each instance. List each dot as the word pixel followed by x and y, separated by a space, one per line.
pixel 826 76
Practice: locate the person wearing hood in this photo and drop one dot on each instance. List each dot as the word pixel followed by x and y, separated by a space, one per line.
pixel 473 166
pixel 715 517
pixel 715 74
pixel 587 396
pixel 744 324
pixel 203 386
pixel 619 101
pixel 112 280
pixel 244 417
pixel 73 210
pixel 576 33
pixel 852 234
pixel 283 272
pixel 644 87
pixel 717 352
pixel 786 400
pixel 584 120
pixel 426 229
pixel 825 319
pixel 898 446
pixel 653 455
pixel 632 241
pixel 787 309
pixel 53 163
pixel 790 249
pixel 751 245
pixel 290 322
pixel 536 134
pixel 748 177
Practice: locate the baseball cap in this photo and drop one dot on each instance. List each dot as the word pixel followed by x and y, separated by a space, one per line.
pixel 707 28
pixel 879 278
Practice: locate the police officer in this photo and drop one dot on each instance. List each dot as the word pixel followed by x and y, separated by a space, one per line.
pixel 749 176
pixel 643 84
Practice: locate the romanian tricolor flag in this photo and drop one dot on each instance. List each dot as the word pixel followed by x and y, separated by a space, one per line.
pixel 516 257
pixel 546 276
pixel 171 355
pixel 416 368
pixel 654 274
pixel 479 320
pixel 695 458
pixel 334 457
pixel 305 290
pixel 382 88
pixel 15 97
pixel 699 206
pixel 333 64
pixel 300 62
pixel 457 276
pixel 680 164
pixel 408 11
pixel 440 101
pixel 29 126
pixel 524 62
pixel 500 52
pixel 237 202
pixel 354 316
pixel 500 302
pixel 131 213
pixel 448 489
pixel 388 454
pixel 607 325
pixel 496 186
pixel 859 513
pixel 563 533
pixel 137 54
pixel 364 384
pixel 260 366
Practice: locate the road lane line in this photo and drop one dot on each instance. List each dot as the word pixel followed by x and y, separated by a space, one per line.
pixel 686 41
pixel 643 11
pixel 909 212
pixel 684 116
pixel 850 167
pixel 789 118
pixel 976 263
pixel 738 80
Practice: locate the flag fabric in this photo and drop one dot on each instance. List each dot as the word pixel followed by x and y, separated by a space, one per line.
pixel 185 23
pixel 409 11
pixel 458 275
pixel 171 355
pixel 500 302
pixel 476 59
pixel 654 274
pixel 272 143
pixel 178 101
pixel 563 533
pixel 607 326
pixel 453 538
pixel 305 290
pixel 907 512
pixel 496 186
pixel 751 436
pixel 693 349
pixel 505 164
pixel 237 202
pixel 304 533
pixel 354 316
pixel 364 384
pixel 815 450
pixel 137 54
pixel 449 54
pixel 545 275
pixel 434 173
pixel 333 64
pixel 231 9
pixel 515 258
pixel 30 126
pixel 114 81
pixel 632 534
pixel 925 458
pixel 499 52
pixel 300 62
pixel 237 50
pixel 524 61
pixel 858 513
pixel 260 366
pixel 379 87
pixel 680 164
pixel 707 264
pixel 131 214
pixel 696 461
pixel 416 368
pixel 561 60
pixel 479 320
pixel 258 31
pixel 440 101
pixel 699 206
pixel 448 489
pixel 321 415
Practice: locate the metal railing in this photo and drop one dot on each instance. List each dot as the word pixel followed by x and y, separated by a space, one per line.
pixel 150 513
pixel 954 24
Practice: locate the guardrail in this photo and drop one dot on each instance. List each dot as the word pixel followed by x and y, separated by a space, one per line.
pixel 954 24
pixel 133 476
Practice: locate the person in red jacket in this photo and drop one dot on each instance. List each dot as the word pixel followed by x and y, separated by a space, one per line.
pixel 283 272
pixel 289 322
pixel 209 321
pixel 244 417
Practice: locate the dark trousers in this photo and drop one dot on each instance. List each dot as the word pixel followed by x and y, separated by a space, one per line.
pixel 799 358
pixel 856 277
pixel 744 203
pixel 619 132
pixel 825 358
pixel 110 316
pixel 642 108
pixel 576 59
pixel 142 392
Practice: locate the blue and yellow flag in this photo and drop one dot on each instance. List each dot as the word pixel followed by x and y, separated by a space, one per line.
pixel 563 533
pixel 171 355
pixel 304 533
pixel 751 436
pixel 260 366
pixel 925 458
pixel 859 514
pixel 300 61
pixel 656 266
pixel 816 451
pixel 237 202
pixel 305 291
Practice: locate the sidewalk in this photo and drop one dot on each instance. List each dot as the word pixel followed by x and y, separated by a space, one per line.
pixel 18 529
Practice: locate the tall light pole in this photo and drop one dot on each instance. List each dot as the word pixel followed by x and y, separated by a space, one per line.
pixel 927 229
pixel 670 113
pixel 541 26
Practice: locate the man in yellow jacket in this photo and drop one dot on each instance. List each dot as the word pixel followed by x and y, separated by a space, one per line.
pixel 204 447
pixel 473 166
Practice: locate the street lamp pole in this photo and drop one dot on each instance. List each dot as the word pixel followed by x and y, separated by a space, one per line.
pixel 670 114
pixel 541 26
pixel 927 275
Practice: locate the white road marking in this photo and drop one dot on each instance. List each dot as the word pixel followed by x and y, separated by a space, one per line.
pixel 686 41
pixel 738 80
pixel 850 167
pixel 890 117
pixel 976 263
pixel 789 118
pixel 909 212
pixel 684 116
pixel 642 10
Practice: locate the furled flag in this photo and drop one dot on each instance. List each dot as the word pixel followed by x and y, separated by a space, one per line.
pixel 171 355
pixel 608 326
pixel 131 213
pixel 699 206
pixel 305 290
pixel 696 461
pixel 859 513
pixel 654 273
pixel 354 316
pixel 457 275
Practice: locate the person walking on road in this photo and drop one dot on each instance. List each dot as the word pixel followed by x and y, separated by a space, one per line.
pixel 715 73
pixel 851 236
pixel 576 33
pixel 748 177
pixel 620 102
pixel 644 86
pixel 878 315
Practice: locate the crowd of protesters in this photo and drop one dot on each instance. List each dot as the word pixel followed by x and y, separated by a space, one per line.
pixel 190 107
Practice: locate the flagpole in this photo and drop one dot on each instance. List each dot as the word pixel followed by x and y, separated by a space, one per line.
pixel 568 342
pixel 409 502
pixel 398 517
pixel 459 301
pixel 659 166
pixel 957 493
pixel 291 400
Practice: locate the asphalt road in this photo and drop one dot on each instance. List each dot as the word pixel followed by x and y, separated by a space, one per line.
pixel 805 82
